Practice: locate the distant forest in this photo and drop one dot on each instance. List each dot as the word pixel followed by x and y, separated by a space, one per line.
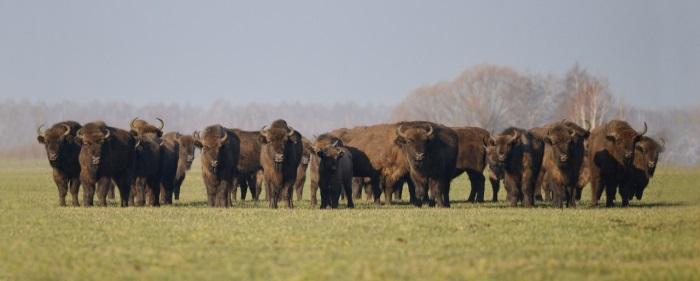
pixel 489 96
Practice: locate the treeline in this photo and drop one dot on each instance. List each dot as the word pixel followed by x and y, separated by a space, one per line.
pixel 496 97
pixel 21 118
pixel 489 96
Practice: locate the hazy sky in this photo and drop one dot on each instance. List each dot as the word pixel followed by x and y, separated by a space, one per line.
pixel 326 51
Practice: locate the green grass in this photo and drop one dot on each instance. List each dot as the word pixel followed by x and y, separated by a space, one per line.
pixel 656 239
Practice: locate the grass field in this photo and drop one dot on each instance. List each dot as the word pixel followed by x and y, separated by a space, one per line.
pixel 656 239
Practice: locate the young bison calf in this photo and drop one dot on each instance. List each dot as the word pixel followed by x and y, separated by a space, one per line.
pixel 335 173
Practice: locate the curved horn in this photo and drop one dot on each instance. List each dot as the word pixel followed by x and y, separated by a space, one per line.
pixel 138 143
pixel 162 124
pixel 645 129
pixel 109 133
pixel 67 129
pixel 223 139
pixel 335 143
pixel 79 133
pixel 38 130
pixel 399 131
pixel 131 124
pixel 607 132
pixel 263 130
pixel 514 137
pixel 291 131
pixel 430 130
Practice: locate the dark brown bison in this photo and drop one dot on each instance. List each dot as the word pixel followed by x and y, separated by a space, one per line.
pixel 610 156
pixel 106 153
pixel 220 154
pixel 519 154
pixel 63 153
pixel 303 166
pixel 431 151
pixel 561 165
pixel 249 162
pixel 185 148
pixel 156 164
pixel 471 159
pixel 335 171
pixel 280 156
pixel 646 157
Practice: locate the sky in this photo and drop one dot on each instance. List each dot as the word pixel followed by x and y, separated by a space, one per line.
pixel 336 51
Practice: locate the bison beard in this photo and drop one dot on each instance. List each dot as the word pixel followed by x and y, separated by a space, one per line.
pixel 62 152
pixel 106 154
pixel 280 157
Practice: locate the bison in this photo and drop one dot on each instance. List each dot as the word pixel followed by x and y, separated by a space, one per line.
pixel 220 154
pixel 185 148
pixel 519 154
pixel 646 157
pixel 611 151
pixel 335 172
pixel 249 162
pixel 106 153
pixel 495 169
pixel 156 164
pixel 280 156
pixel 303 166
pixel 562 162
pixel 471 159
pixel 63 152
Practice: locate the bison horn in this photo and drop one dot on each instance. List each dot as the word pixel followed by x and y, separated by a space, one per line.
pixel 67 129
pixel 291 131
pixel 223 138
pixel 38 130
pixel 263 130
pixel 608 133
pixel 162 124
pixel 131 124
pixel 335 143
pixel 109 133
pixel 430 130
pixel 138 143
pixel 645 129
pixel 515 137
pixel 399 131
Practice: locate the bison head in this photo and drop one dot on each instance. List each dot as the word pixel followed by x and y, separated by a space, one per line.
pixel 413 140
pixel 92 138
pixel 54 140
pixel 624 138
pixel 276 140
pixel 329 156
pixel 503 144
pixel 187 148
pixel 211 142
pixel 140 127
pixel 646 157
pixel 562 140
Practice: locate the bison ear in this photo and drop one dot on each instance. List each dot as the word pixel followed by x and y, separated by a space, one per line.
pixel 400 140
pixel 134 133
pixel 41 139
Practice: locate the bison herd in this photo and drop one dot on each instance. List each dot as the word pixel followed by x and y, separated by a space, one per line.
pixel 552 163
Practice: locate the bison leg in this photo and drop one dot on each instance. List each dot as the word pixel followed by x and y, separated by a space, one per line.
pixel 313 187
pixel 412 194
pixel 168 185
pixel 62 185
pixel 495 187
pixel 124 183
pixel 154 187
pixel 253 185
pixel 110 192
pixel 299 188
pixel 512 190
pixel 376 190
pixel 102 188
pixel 347 187
pixel 176 187
pixel 388 190
pixel 222 194
pixel 74 188
pixel 139 191
pixel 88 194
pixel 289 194
pixel 478 181
pixel 357 188
pixel 610 191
